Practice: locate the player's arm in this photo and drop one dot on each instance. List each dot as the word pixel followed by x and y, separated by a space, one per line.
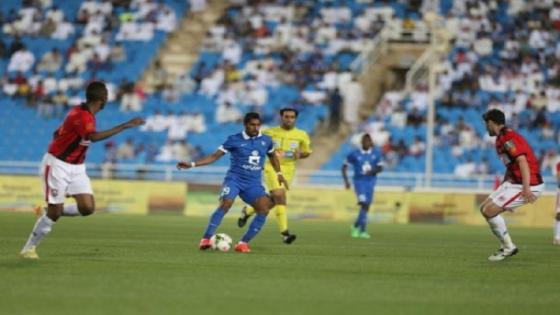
pixel 344 170
pixel 209 159
pixel 102 135
pixel 525 178
pixel 558 177
pixel 276 166
pixel 304 150
pixel 298 155
pixel 378 169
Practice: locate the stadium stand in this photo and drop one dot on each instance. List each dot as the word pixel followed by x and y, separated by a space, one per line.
pixel 275 54
pixel 502 57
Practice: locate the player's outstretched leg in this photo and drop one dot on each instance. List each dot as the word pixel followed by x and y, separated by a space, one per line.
pixel 85 205
pixel 48 216
pixel 261 206
pixel 43 226
pixel 246 213
pixel 215 220
pixel 497 224
pixel 254 229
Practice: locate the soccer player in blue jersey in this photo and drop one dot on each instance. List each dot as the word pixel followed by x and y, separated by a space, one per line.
pixel 366 163
pixel 248 151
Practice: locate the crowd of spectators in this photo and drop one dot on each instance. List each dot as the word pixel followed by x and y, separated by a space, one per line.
pixel 265 44
pixel 503 57
pixel 43 78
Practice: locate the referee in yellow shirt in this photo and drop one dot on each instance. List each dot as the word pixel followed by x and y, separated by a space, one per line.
pixel 291 144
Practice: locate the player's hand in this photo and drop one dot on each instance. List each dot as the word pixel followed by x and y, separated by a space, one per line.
pixel 183 165
pixel 297 154
pixel 347 185
pixel 135 122
pixel 283 182
pixel 528 196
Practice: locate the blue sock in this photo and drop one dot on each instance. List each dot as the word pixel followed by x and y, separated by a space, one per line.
pixel 362 219
pixel 254 228
pixel 215 220
pixel 358 222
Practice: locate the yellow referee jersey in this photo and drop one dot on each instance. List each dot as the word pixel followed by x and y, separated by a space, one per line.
pixel 286 142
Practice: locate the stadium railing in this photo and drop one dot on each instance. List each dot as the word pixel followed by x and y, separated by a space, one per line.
pixel 214 176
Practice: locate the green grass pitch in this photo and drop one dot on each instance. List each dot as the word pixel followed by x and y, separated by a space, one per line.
pixel 109 264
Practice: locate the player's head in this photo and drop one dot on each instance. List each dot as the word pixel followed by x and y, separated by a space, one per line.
pixel 495 120
pixel 367 143
pixel 288 116
pixel 252 123
pixel 96 95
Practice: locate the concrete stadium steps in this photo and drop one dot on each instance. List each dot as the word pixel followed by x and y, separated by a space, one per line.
pixel 183 46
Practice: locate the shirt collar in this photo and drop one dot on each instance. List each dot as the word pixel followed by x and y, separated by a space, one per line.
pixel 246 136
pixel 85 107
pixel 366 152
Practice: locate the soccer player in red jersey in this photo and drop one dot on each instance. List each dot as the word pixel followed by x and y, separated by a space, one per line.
pixel 63 170
pixel 522 182
pixel 557 221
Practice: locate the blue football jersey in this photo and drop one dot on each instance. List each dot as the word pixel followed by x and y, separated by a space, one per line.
pixel 364 161
pixel 247 155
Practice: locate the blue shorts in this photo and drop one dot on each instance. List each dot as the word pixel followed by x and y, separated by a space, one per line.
pixel 364 191
pixel 249 192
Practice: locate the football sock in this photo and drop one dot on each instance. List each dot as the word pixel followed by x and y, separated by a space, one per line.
pixel 557 229
pixel 281 217
pixel 364 213
pixel 358 223
pixel 70 210
pixel 499 228
pixel 254 228
pixel 250 210
pixel 361 221
pixel 42 227
pixel 215 220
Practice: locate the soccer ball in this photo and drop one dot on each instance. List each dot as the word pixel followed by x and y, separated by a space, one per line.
pixel 221 242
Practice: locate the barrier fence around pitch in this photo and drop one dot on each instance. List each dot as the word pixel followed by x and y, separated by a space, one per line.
pixel 213 175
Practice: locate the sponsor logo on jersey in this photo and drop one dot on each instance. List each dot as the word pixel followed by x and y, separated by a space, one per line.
pixel 254 159
pixel 510 147
pixel 251 167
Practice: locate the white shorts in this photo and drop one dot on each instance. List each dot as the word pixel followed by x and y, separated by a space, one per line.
pixel 61 179
pixel 508 195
